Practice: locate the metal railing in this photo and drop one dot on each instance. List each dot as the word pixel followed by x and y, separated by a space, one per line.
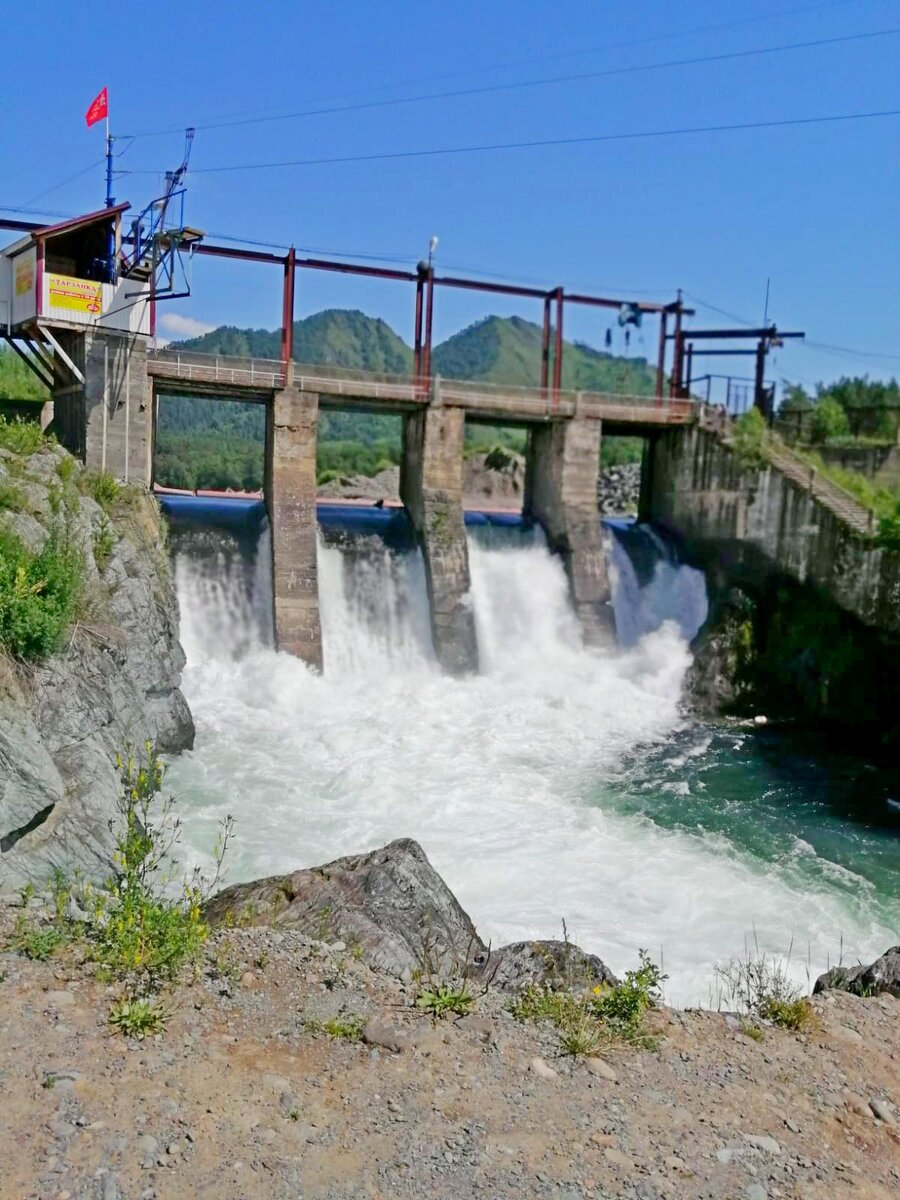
pixel 263 373
pixel 843 504
pixel 477 395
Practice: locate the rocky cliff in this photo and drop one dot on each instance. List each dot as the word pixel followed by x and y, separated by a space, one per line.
pixel 112 682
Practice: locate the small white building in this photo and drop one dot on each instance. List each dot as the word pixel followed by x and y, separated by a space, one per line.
pixel 65 279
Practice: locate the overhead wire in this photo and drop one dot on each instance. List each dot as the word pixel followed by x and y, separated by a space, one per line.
pixel 579 77
pixel 56 186
pixel 667 37
pixel 541 143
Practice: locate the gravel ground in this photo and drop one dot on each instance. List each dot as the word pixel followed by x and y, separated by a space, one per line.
pixel 242 1097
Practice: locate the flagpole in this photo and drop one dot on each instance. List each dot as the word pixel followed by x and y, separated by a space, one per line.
pixel 110 199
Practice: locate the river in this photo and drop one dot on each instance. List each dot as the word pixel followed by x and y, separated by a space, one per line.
pixel 557 784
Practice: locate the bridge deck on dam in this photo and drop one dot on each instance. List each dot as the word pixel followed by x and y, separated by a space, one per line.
pixel 338 387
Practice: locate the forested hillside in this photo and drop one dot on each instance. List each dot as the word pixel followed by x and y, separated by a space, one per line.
pixel 17 382
pixel 204 443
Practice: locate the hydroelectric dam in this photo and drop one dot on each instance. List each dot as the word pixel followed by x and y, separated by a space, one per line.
pixel 78 302
pixel 557 780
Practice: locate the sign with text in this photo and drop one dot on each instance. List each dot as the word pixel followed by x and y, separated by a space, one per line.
pixel 76 295
pixel 24 278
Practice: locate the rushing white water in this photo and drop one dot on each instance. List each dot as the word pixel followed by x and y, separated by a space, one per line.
pixel 507 779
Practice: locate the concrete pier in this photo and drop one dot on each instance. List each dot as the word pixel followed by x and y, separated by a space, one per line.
pixel 431 480
pixel 291 494
pixel 561 496
pixel 107 421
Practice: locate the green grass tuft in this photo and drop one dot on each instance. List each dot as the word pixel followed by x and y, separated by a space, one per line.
pixel 138 1018
pixel 38 595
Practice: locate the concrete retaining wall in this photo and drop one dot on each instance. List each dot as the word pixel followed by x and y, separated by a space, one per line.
pixel 107 422
pixel 758 523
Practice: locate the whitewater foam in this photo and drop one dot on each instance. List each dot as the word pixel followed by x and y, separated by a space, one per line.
pixel 509 779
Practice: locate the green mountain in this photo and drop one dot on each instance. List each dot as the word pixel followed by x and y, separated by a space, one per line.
pixel 204 443
pixel 508 350
pixel 496 349
pixel 337 336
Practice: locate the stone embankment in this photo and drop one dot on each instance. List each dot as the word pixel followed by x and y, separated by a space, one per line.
pixel 292 1066
pixel 114 683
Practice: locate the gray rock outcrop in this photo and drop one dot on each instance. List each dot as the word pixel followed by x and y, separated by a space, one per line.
pixel 114 684
pixel 392 907
pixel 550 963
pixel 390 903
pixel 883 975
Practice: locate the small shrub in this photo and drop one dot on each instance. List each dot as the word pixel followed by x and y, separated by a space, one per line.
pixel 622 1008
pixel 38 594
pixel 10 496
pixel 348 1028
pixel 105 490
pixel 442 999
pixel 104 542
pixel 587 1020
pixel 752 1031
pixel 38 944
pixel 138 1018
pixel 797 1015
pixel 21 437
pixel 65 469
pixel 760 987
pixel 146 936
pixel 749 440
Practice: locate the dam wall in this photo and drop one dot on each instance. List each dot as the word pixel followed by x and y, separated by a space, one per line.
pixel 756 524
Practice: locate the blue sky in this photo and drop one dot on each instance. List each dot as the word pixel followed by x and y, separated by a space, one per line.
pixel 814 208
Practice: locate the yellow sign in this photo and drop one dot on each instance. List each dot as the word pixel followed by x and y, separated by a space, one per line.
pixel 77 295
pixel 24 278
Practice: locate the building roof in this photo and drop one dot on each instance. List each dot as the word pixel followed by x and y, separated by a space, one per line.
pixel 94 218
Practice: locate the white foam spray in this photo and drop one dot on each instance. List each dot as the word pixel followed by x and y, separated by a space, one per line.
pixel 506 778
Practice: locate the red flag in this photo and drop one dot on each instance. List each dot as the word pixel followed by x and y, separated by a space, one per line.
pixel 98 110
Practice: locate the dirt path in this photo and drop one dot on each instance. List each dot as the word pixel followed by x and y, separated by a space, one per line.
pixel 242 1098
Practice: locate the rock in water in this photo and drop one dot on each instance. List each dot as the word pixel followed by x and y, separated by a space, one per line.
pixel 557 964
pixel 390 903
pixel 883 975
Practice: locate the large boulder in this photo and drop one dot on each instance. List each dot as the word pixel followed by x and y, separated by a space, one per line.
pixel 883 975
pixel 391 904
pixel 115 683
pixel 394 909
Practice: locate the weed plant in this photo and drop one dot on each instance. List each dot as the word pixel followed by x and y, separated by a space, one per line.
pixel 589 1018
pixel 38 594
pixel 144 926
pixel 138 1018
pixel 21 437
pixel 761 987
pixel 149 926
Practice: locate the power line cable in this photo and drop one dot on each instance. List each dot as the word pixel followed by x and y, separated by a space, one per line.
pixel 494 88
pixel 56 186
pixel 770 15
pixel 592 139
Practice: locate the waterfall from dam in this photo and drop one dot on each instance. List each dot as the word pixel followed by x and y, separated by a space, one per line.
pixel 556 784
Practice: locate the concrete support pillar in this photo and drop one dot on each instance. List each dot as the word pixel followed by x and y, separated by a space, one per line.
pixel 108 420
pixel 291 496
pixel 561 495
pixel 431 480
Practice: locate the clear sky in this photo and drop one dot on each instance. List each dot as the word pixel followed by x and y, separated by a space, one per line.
pixel 812 207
